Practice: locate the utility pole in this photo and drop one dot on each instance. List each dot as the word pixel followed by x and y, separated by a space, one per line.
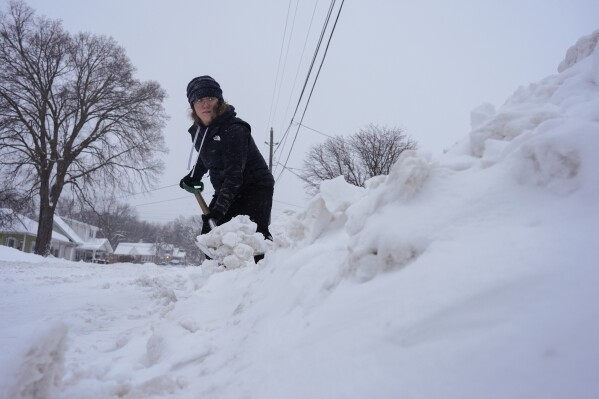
pixel 271 145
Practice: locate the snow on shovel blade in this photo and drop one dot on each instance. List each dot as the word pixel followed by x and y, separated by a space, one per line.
pixel 210 252
pixel 233 243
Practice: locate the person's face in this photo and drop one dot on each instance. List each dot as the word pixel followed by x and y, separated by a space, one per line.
pixel 205 109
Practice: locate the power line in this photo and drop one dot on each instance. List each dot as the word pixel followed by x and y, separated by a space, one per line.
pixel 314 84
pixel 292 171
pixel 283 140
pixel 315 131
pixel 162 201
pixel 125 196
pixel 315 80
pixel 300 60
pixel 314 57
pixel 287 203
pixel 274 90
pixel 286 56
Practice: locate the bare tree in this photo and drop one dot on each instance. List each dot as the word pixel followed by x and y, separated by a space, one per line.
pixel 183 232
pixel 12 205
pixel 72 116
pixel 370 152
pixel 117 221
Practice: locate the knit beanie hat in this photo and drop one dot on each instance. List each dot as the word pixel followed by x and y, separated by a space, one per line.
pixel 203 86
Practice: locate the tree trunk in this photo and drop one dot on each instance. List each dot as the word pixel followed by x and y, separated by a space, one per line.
pixel 48 201
pixel 44 228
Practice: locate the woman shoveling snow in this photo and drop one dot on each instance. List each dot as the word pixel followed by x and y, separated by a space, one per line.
pixel 242 182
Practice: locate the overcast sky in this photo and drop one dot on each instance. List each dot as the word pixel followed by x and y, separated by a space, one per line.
pixel 421 65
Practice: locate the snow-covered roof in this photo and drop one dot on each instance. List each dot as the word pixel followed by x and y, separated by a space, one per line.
pixel 23 225
pixel 72 222
pixel 135 248
pixel 97 244
pixel 178 253
pixel 67 230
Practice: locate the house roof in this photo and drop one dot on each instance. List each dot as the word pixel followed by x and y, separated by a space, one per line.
pixel 178 253
pixel 97 244
pixel 67 230
pixel 73 221
pixel 135 248
pixel 145 249
pixel 23 225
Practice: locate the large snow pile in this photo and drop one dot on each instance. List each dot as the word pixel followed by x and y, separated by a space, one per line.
pixel 468 275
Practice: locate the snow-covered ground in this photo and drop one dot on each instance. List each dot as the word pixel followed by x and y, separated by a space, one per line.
pixel 473 274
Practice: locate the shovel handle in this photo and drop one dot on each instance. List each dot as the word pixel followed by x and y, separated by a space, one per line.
pixel 205 209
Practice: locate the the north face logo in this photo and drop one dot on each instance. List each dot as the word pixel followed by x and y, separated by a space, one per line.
pixel 216 138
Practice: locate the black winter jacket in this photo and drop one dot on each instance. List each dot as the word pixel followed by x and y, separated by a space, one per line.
pixel 231 156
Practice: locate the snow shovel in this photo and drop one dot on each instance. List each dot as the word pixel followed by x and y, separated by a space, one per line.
pixel 205 210
pixel 210 252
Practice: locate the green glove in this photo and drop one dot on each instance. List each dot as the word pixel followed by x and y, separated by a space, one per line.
pixel 190 185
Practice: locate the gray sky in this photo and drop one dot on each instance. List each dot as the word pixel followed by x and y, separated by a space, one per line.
pixel 421 65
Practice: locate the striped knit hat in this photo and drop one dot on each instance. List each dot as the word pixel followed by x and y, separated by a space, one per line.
pixel 203 86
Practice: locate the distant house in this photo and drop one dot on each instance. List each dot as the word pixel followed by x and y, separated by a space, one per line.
pixel 88 248
pixel 178 257
pixel 142 252
pixel 71 239
pixel 22 235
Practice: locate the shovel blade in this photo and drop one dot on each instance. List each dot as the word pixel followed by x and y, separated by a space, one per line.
pixel 210 252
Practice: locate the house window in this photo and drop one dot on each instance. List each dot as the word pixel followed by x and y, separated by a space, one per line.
pixel 10 242
pixel 33 247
